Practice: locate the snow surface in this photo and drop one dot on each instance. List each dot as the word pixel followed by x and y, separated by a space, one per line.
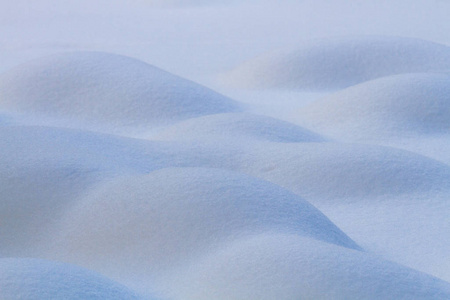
pixel 353 172
pixel 333 64
pixel 105 88
pixel 393 106
pixel 235 125
pixel 22 278
pixel 185 211
pixel 258 149
pixel 300 268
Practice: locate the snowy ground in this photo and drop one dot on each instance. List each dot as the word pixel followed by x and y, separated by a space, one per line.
pixel 235 150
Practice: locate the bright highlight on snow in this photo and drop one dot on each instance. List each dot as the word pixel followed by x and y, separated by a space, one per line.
pixel 235 150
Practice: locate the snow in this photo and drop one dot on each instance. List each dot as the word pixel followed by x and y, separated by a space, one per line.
pixel 334 64
pixel 258 149
pixel 234 125
pixel 390 107
pixel 300 268
pixel 44 171
pixel 25 278
pixel 351 172
pixel 103 88
pixel 173 215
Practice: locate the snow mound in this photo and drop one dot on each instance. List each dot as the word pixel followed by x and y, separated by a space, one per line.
pixel 39 177
pixel 238 125
pixel 338 63
pixel 22 278
pixel 289 267
pixel 151 223
pixel 44 170
pixel 104 88
pixel 394 106
pixel 327 171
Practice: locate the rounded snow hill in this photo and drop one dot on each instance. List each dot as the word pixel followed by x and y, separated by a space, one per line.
pixel 106 89
pixel 338 63
pixel 24 278
pixel 238 125
pixel 395 106
pixel 45 170
pixel 322 172
pixel 42 171
pixel 290 267
pixel 155 222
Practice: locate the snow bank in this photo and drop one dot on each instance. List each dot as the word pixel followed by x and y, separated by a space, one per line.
pixel 41 174
pixel 105 89
pixel 395 106
pixel 44 171
pixel 289 267
pixel 22 278
pixel 326 171
pixel 237 125
pixel 335 63
pixel 152 223
pixel 408 229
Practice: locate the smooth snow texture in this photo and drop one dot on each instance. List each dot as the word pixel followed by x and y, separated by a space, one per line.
pixel 44 170
pixel 152 223
pixel 105 89
pixel 410 229
pixel 289 267
pixel 336 63
pixel 184 3
pixel 5 119
pixel 351 172
pixel 199 198
pixel 391 107
pixel 32 148
pixel 23 278
pixel 237 125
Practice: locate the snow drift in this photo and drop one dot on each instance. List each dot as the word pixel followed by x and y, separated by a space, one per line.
pixel 196 197
pixel 351 172
pixel 154 223
pixel 391 107
pixel 289 267
pixel 237 126
pixel 337 63
pixel 22 278
pixel 105 89
pixel 45 170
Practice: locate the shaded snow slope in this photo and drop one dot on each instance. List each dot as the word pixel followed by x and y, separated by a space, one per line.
pixel 327 171
pixel 288 267
pixel 44 170
pixel 410 229
pixel 22 278
pixel 33 147
pixel 336 63
pixel 237 126
pixel 395 106
pixel 105 89
pixel 152 223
